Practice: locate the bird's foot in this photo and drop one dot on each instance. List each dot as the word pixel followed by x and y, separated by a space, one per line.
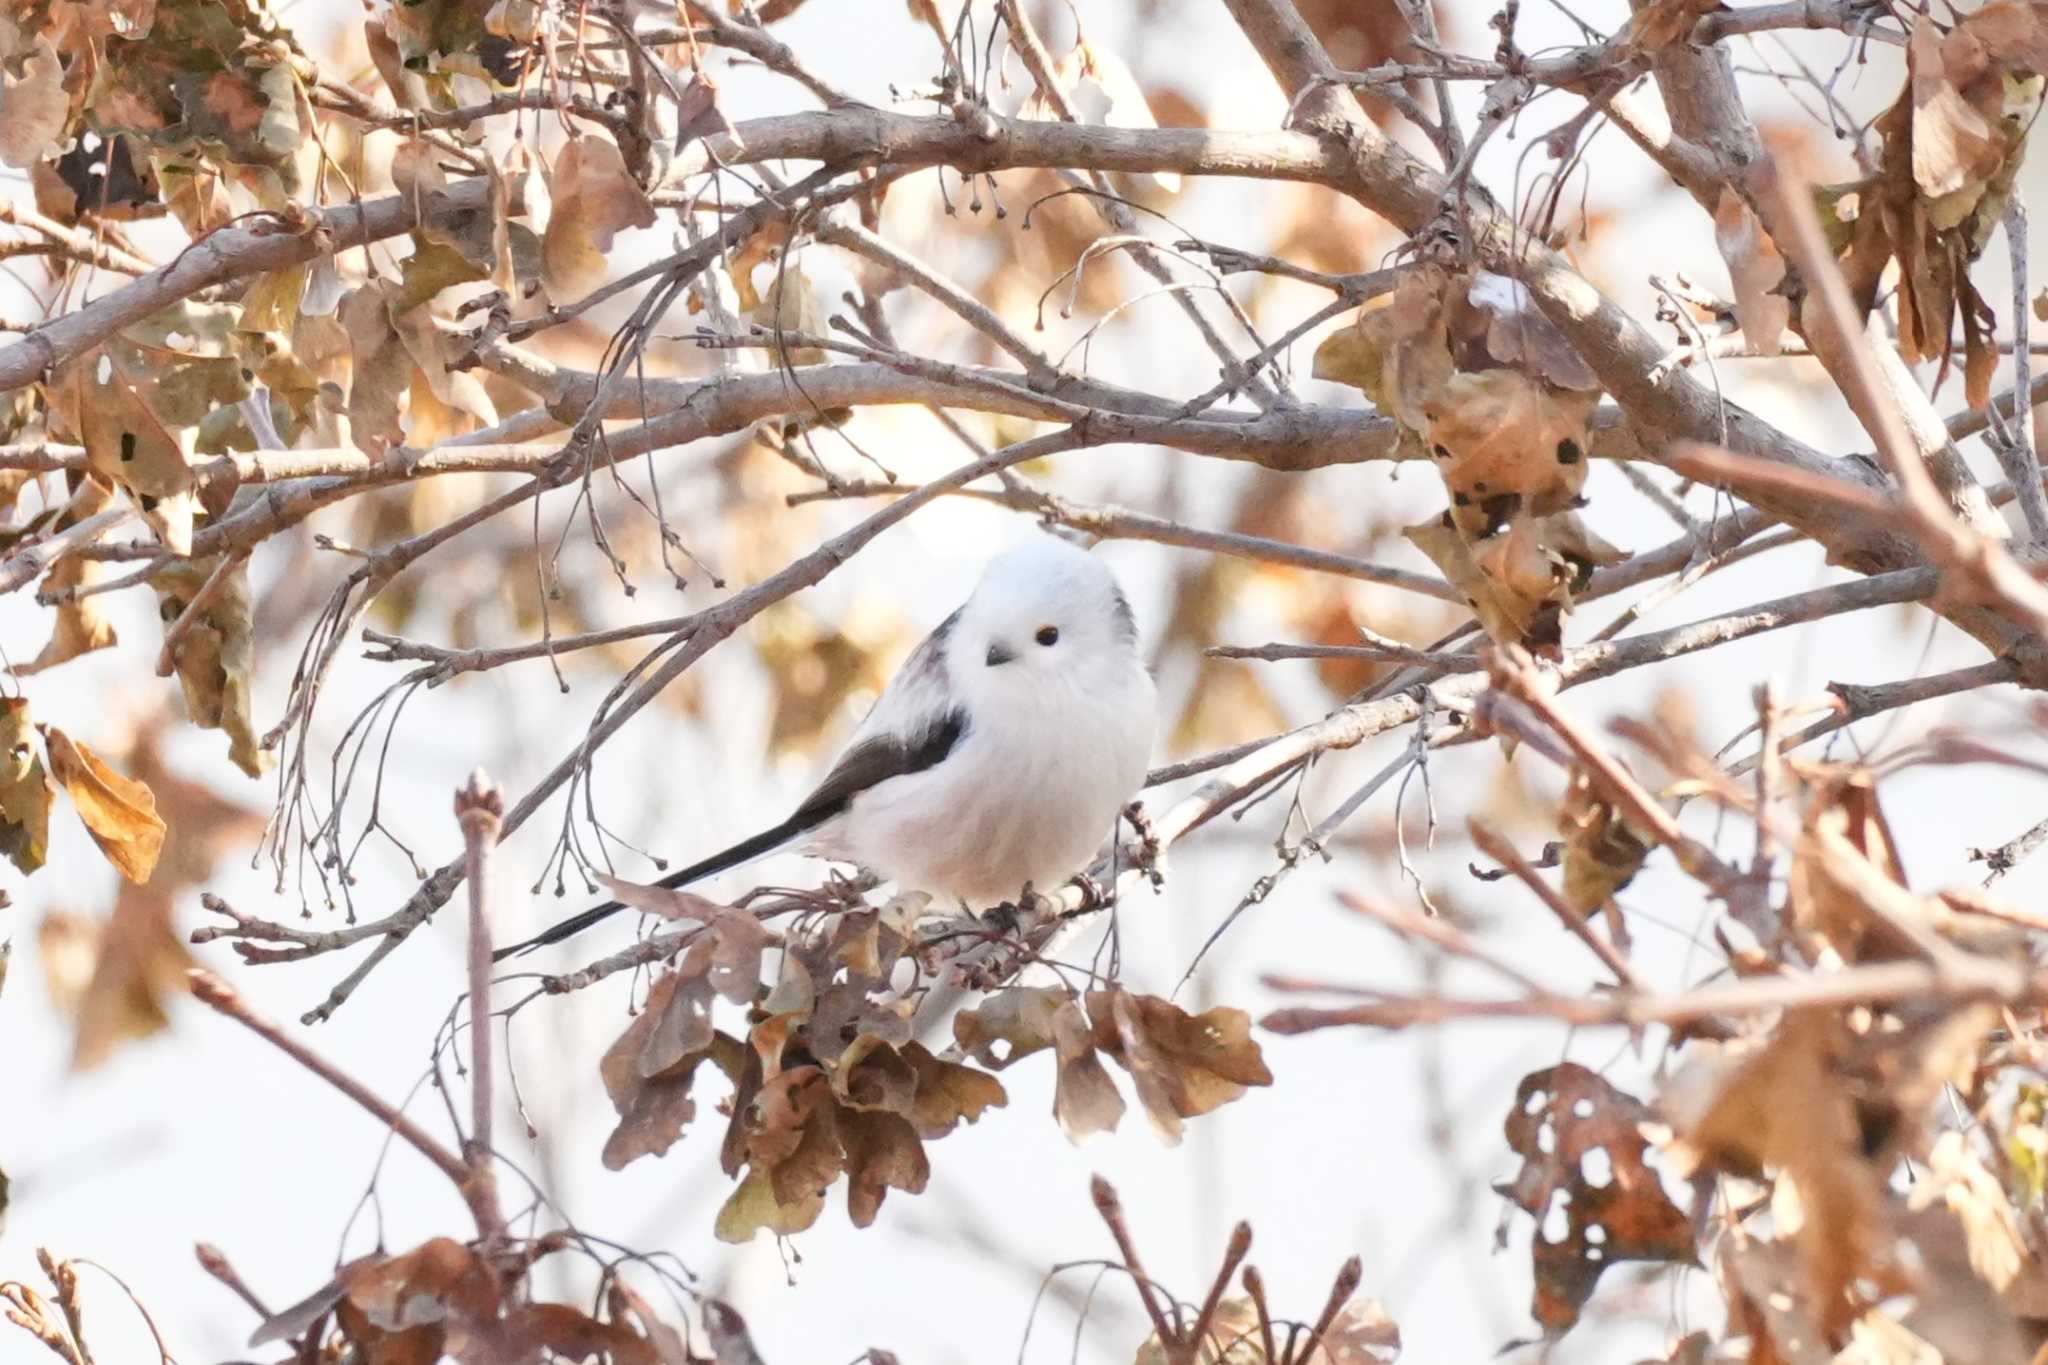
pixel 1002 920
pixel 1149 852
pixel 1095 896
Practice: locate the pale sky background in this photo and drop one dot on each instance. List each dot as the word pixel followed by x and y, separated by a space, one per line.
pixel 208 1134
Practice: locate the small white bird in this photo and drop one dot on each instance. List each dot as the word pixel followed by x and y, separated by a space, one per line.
pixel 998 757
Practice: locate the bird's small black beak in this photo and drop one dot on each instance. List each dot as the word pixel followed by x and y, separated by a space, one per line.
pixel 999 654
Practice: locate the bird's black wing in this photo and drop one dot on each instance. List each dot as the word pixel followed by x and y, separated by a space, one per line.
pixel 926 735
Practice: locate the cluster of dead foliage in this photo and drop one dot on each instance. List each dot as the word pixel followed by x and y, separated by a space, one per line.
pixel 1481 380
pixel 1845 1130
pixel 828 1078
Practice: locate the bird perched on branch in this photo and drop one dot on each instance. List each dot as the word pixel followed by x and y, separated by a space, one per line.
pixel 999 756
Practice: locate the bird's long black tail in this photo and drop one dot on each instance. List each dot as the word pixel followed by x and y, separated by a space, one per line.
pixel 746 850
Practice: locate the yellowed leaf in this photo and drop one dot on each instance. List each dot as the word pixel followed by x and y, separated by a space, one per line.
pixel 25 788
pixel 1507 445
pixel 1601 853
pixel 216 658
pixel 119 812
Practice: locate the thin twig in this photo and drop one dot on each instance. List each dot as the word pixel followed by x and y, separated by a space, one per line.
pixel 480 809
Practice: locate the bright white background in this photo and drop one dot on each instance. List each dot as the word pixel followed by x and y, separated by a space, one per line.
pixel 1375 1145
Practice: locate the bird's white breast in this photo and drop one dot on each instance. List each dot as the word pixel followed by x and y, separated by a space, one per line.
pixel 1029 794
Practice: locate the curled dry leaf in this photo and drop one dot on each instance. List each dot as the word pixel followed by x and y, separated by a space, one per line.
pixel 650 1070
pixel 119 812
pixel 1181 1064
pixel 1957 1178
pixel 735 940
pixel 381 370
pixel 570 1334
pixel 1395 351
pixel 1601 853
pixel 1505 608
pixel 948 1094
pixel 865 1116
pixel 1028 1019
pixel 1952 144
pixel 1020 1018
pixel 1507 445
pixel 25 788
pixel 1842 808
pixel 1583 1154
pixel 882 1153
pixel 437 1299
pixel 593 198
pixel 790 1141
pixel 1757 269
pixel 1788 1106
pixel 97 400
pixel 216 657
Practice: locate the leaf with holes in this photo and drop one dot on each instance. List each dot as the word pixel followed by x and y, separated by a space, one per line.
pixel 1021 1019
pixel 1507 445
pixel 1583 1166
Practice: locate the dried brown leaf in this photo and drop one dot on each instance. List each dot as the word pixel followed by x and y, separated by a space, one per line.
pixel 1395 351
pixel 1507 445
pixel 33 105
pixel 1842 804
pixel 1085 1099
pixel 1021 1018
pixel 119 812
pixel 25 788
pixel 1582 1148
pixel 1601 853
pixel 594 198
pixel 1183 1065
pixel 649 1070
pixel 948 1094
pixel 1495 321
pixel 216 657
pixel 1789 1106
pixel 82 622
pixel 882 1152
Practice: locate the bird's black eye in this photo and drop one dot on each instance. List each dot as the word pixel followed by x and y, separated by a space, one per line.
pixel 1048 635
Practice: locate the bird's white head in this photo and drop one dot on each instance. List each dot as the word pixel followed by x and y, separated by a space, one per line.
pixel 1044 612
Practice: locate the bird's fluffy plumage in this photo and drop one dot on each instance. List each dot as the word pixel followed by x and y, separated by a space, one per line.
pixel 1055 741
pixel 1000 754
